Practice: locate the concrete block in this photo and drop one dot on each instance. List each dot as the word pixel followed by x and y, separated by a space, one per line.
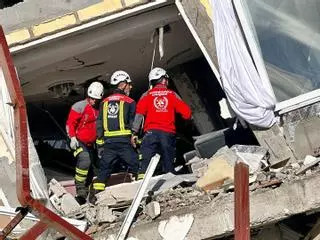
pixel 104 214
pixel 219 170
pixel 56 189
pixel 69 204
pixel 54 25
pixel 152 209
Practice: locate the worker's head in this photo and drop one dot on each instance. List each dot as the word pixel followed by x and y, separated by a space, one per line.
pixel 95 93
pixel 158 75
pixel 121 80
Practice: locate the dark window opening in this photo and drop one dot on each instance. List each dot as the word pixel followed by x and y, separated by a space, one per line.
pixel 8 3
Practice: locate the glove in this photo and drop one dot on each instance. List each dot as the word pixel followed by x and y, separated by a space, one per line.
pixel 100 151
pixel 134 140
pixel 74 144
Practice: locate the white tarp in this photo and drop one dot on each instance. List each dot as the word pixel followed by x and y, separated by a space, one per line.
pixel 37 178
pixel 250 97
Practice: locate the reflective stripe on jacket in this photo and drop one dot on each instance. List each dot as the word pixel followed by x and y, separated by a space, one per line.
pixel 116 116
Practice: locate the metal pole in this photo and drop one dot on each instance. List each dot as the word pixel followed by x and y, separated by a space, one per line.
pixel 241 208
pixel 138 197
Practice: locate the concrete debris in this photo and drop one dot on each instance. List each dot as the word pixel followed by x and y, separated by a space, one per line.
pixel 124 193
pixel 91 214
pixel 152 209
pixel 63 201
pixel 218 171
pixel 199 167
pixel 104 214
pixel 309 159
pixel 176 228
pixel 310 165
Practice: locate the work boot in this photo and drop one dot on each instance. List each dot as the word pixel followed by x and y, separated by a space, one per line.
pixel 92 195
pixel 82 193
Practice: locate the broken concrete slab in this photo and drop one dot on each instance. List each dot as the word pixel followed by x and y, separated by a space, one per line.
pixel 152 209
pixel 126 191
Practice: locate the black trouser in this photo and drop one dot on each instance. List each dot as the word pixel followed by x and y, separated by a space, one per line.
pixel 163 143
pixel 112 154
pixel 86 168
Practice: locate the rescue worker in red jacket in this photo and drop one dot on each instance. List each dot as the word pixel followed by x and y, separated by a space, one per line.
pixel 114 130
pixel 157 108
pixel 81 128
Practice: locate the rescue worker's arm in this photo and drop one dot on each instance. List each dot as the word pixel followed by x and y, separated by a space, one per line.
pixel 182 108
pixel 72 124
pixel 132 112
pixel 99 126
pixel 141 111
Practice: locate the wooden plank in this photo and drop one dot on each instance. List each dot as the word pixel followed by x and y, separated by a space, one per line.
pixel 241 196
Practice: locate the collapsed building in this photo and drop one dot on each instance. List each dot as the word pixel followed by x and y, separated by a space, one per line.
pixel 244 67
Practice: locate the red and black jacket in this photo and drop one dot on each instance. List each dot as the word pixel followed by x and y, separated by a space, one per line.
pixel 81 122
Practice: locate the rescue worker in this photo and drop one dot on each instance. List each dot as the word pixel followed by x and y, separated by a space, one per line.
pixel 157 108
pixel 114 131
pixel 81 129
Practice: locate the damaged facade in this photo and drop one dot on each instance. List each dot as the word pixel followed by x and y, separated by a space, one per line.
pixel 268 119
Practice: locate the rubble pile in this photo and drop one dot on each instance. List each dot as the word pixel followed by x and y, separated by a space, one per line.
pixel 168 194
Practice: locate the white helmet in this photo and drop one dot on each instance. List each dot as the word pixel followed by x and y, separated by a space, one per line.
pixel 119 76
pixel 157 73
pixel 95 90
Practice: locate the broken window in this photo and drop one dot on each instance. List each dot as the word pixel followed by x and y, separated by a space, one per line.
pixel 288 33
